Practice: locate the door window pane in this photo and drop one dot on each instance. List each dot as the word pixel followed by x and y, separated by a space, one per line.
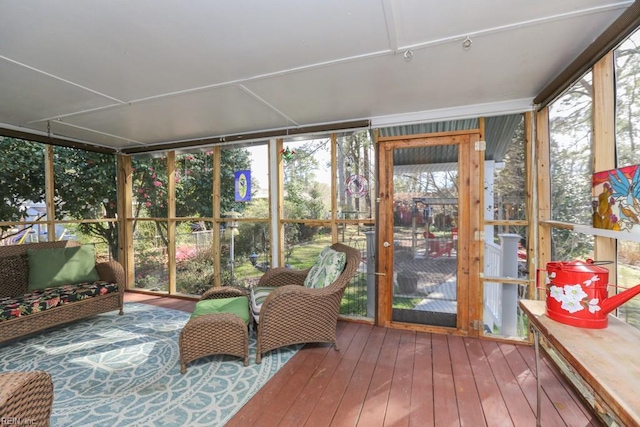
pixel 425 235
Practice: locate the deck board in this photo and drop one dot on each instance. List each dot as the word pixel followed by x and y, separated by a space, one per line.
pixel 402 378
pixel 422 385
pixel 444 392
pixel 376 401
pixel 300 409
pixel 561 396
pixel 468 399
pixel 327 405
pixel 494 407
pixel 509 386
pixel 348 411
pixel 399 404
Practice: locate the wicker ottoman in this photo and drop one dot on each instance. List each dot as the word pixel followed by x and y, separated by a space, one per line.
pixel 216 332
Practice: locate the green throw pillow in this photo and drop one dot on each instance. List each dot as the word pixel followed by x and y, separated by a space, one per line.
pixel 61 266
pixel 326 269
pixel 236 305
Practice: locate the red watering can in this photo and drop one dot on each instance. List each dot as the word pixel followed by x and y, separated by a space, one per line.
pixel 577 294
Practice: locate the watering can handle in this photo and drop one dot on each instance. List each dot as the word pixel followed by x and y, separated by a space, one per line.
pixel 592 262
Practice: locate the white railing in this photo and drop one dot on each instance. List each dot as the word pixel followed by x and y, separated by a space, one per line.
pixel 492 291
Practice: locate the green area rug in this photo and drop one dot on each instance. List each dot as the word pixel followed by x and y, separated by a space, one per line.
pixel 112 370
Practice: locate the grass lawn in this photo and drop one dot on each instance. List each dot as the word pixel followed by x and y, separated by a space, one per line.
pixel 303 256
pixel 629 276
pixel 406 303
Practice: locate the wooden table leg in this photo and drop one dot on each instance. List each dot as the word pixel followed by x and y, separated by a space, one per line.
pixel 536 343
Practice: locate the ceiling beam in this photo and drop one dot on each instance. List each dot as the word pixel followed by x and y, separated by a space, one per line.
pixel 52 140
pixel 279 133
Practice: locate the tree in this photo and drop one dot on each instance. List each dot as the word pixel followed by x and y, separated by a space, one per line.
pixel 509 185
pixel 85 188
pixel 354 161
pixel 85 185
pixel 193 185
pixel 303 198
pixel 571 167
pixel 21 179
pixel 627 59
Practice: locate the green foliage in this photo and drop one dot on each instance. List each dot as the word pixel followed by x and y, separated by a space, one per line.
pixel 84 185
pixel 195 275
pixel 85 188
pixel 194 175
pixel 21 177
pixel 150 186
pixel 354 300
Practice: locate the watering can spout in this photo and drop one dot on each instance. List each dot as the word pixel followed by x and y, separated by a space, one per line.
pixel 615 301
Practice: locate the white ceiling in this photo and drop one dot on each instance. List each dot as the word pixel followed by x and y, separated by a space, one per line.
pixel 131 73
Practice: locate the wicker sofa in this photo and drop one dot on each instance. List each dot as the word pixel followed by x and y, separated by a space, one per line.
pixel 64 304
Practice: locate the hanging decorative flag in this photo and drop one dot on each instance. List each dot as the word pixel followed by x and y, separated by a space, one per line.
pixel 243 186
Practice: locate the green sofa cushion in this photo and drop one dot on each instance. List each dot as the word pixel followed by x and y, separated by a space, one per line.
pixel 61 266
pixel 236 305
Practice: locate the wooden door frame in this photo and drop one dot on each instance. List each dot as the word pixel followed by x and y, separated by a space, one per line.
pixel 470 163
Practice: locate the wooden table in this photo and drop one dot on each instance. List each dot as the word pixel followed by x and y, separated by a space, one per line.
pixel 604 364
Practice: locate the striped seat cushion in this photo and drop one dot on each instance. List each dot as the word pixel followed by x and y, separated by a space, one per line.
pixel 258 295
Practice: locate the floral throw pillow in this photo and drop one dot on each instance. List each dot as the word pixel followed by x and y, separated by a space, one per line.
pixel 326 269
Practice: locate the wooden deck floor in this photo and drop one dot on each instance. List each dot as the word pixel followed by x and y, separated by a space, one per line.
pixel 387 377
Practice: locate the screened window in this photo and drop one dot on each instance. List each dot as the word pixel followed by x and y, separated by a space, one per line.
pixel 570 123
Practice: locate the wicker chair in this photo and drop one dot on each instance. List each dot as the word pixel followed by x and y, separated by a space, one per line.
pixel 294 314
pixel 26 398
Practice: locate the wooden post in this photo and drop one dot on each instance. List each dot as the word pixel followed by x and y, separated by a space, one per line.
pixel 604 146
pixel 529 202
pixel 334 184
pixel 385 258
pixel 171 221
pixel 49 178
pixel 475 191
pixel 125 217
pixel 215 239
pixel 543 200
pixel 280 212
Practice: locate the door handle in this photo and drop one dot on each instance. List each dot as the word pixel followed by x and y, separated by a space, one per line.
pixel 386 244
